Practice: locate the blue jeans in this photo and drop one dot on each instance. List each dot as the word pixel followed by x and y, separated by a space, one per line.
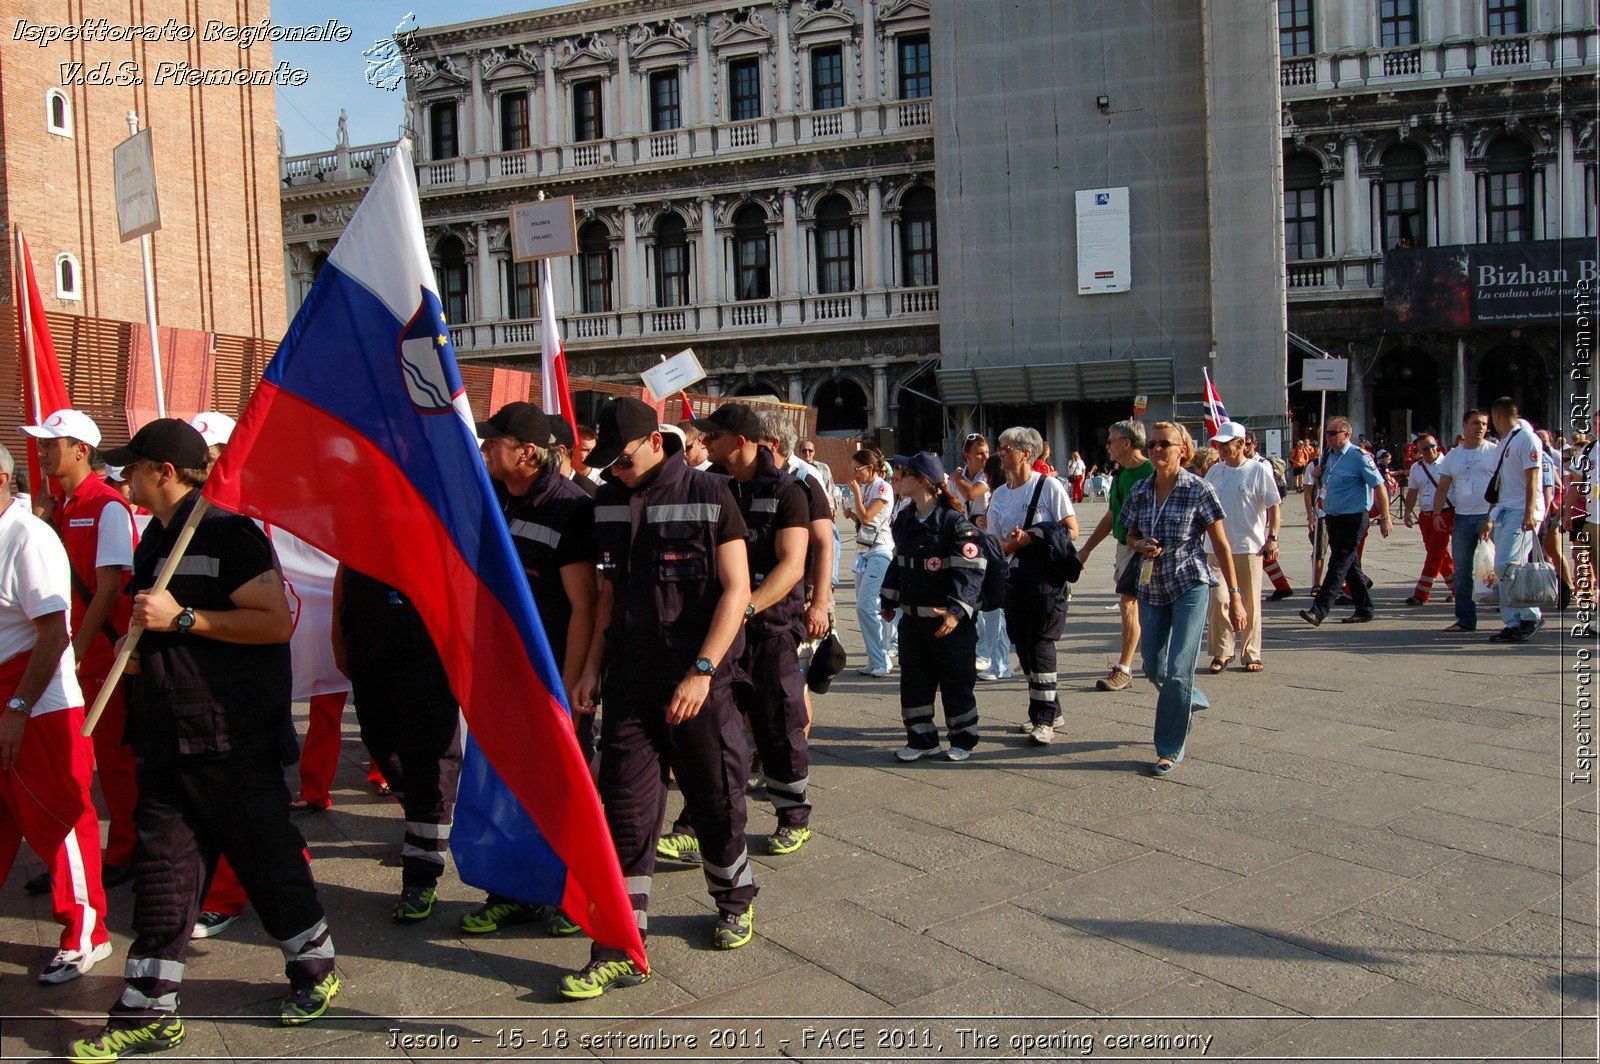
pixel 1512 544
pixel 874 629
pixel 1169 639
pixel 994 642
pixel 1463 542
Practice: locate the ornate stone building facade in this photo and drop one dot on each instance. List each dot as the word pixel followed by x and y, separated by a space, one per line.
pixel 753 181
pixel 1421 124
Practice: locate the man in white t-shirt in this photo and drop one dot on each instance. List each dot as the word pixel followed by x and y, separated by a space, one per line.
pixel 1464 476
pixel 1423 503
pixel 1518 511
pixel 45 764
pixel 1252 514
pixel 1033 619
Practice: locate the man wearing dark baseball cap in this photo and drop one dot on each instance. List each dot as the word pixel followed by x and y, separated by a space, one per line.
pixel 732 419
pixel 522 422
pixel 676 588
pixel 164 441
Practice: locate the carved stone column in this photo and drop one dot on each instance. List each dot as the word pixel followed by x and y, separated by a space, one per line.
pixel 710 254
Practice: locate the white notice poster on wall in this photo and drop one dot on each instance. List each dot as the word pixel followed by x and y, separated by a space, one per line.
pixel 1104 258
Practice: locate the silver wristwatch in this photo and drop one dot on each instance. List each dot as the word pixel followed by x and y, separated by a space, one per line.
pixel 19 705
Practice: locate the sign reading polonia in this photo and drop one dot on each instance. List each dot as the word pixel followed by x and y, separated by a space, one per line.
pixel 1104 248
pixel 1466 285
pixel 544 229
pixel 134 171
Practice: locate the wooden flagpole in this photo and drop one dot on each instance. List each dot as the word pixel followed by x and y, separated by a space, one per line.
pixel 131 640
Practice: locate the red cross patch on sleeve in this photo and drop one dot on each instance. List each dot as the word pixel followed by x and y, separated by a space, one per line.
pixel 969 551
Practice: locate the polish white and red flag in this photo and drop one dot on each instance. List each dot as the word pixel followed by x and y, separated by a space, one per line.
pixel 1216 413
pixel 557 394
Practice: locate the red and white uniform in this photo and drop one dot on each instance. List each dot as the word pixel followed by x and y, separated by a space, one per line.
pixel 1437 563
pixel 96 524
pixel 44 796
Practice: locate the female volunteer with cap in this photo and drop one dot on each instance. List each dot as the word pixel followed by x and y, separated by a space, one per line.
pixel 937 579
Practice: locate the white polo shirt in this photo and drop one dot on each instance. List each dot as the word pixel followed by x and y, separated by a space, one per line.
pixel 1523 452
pixel 35 582
pixel 1246 491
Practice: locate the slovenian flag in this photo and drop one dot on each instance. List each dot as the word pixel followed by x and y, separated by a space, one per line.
pixel 359 440
pixel 1216 413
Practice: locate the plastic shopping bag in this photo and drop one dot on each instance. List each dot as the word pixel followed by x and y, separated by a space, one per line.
pixel 1484 591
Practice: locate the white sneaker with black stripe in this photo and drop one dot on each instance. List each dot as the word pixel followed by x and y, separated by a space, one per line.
pixel 69 964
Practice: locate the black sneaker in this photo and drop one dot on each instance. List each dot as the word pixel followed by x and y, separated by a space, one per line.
pixel 1311 617
pixel 1523 634
pixel 1281 594
pixel 1358 617
pixel 1505 635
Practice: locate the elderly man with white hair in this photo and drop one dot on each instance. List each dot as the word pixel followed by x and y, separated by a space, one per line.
pixel 1252 515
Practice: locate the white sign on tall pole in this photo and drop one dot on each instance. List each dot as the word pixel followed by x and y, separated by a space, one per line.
pixel 139 215
pixel 543 229
pixel 1326 375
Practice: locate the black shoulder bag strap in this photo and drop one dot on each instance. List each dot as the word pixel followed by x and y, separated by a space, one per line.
pixel 88 598
pixel 1494 481
pixel 1033 504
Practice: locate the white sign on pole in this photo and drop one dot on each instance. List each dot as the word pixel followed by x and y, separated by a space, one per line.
pixel 1272 443
pixel 1104 244
pixel 134 168
pixel 673 375
pixel 544 229
pixel 1326 375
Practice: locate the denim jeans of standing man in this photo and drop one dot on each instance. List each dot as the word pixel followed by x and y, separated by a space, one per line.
pixel 994 644
pixel 1169 640
pixel 1463 542
pixel 1512 544
pixel 874 629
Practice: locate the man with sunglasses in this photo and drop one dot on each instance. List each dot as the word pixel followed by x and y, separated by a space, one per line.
pixel 668 622
pixel 1422 497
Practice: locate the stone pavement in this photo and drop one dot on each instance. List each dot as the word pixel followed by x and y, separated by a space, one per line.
pixel 1373 850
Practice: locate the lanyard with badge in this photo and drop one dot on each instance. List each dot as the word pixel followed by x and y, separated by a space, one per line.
pixel 1147 566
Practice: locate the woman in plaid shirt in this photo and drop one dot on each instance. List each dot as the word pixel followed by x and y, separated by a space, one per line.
pixel 1168 517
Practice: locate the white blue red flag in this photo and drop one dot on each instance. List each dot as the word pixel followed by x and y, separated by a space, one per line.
pixel 1216 413
pixel 359 440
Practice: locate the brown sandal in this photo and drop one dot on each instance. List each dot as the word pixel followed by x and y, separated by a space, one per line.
pixel 1252 666
pixel 1217 665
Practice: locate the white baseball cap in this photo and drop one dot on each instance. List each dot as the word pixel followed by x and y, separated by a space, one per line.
pixel 213 426
pixel 64 424
pixel 1230 431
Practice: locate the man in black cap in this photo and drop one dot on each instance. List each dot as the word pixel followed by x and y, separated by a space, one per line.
pixel 770 687
pixel 208 720
pixel 551 521
pixel 561 431
pixel 676 588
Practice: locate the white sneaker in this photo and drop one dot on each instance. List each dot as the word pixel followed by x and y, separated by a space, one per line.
pixel 984 665
pixel 1042 735
pixel 868 670
pixel 69 964
pixel 955 753
pixel 912 753
pixel 1026 727
pixel 211 924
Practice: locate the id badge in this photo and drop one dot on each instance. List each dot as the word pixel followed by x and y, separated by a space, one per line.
pixel 1147 570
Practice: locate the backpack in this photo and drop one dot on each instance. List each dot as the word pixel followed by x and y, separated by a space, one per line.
pixel 993 594
pixel 1280 475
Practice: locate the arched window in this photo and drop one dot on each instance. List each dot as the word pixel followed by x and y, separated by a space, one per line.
pixel 58 112
pixel 452 269
pixel 751 248
pixel 1404 192
pixel 317 263
pixel 919 240
pixel 835 247
pixel 1302 207
pixel 594 258
pixel 672 261
pixel 1508 192
pixel 69 278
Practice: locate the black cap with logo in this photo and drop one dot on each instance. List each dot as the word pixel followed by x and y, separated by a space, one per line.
pixel 166 439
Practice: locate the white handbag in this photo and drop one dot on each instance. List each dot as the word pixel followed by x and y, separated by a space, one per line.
pixel 1533 584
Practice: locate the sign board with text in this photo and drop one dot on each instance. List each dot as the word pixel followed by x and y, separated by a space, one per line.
pixel 1326 375
pixel 1104 242
pixel 134 171
pixel 544 229
pixel 674 375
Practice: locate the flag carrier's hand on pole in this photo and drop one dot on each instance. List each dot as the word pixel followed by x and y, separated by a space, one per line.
pixel 131 640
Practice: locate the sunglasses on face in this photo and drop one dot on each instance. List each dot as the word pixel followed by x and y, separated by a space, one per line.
pixel 707 437
pixel 625 460
pixel 1162 445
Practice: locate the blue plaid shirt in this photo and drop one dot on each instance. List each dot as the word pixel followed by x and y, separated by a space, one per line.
pixel 1180 523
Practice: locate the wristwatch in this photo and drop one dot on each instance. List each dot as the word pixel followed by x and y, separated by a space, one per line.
pixel 750 611
pixel 19 705
pixel 185 619
pixel 703 667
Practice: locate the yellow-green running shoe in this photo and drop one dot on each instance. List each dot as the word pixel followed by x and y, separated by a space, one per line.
pixel 787 840
pixel 491 916
pixel 114 1043
pixel 596 977
pixel 562 925
pixel 679 847
pixel 734 929
pixel 306 1003
pixel 416 903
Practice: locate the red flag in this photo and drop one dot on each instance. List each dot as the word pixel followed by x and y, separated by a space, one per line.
pixel 43 389
pixel 557 394
pixel 1216 413
pixel 688 411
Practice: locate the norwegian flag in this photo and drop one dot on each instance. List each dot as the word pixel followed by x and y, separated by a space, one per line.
pixel 1216 413
pixel 552 356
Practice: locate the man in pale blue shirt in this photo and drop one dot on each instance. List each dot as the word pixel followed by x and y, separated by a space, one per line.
pixel 1349 481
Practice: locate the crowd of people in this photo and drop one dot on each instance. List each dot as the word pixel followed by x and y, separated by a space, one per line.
pixel 684 575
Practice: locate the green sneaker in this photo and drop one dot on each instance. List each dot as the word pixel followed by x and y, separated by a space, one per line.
pixel 416 903
pixel 679 847
pixel 306 1003
pixel 596 977
pixel 734 929
pixel 787 840
pixel 562 925
pixel 491 916
pixel 114 1043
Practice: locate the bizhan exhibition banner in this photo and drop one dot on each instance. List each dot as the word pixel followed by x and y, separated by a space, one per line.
pixel 1485 284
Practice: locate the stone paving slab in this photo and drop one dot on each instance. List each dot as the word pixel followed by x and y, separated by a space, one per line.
pixel 1374 833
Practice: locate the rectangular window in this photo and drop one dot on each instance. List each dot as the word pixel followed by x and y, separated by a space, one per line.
pixel 586 119
pixel 744 89
pixel 835 272
pixel 1397 23
pixel 754 279
pixel 1302 224
pixel 1295 35
pixel 596 282
pixel 442 131
pixel 1403 214
pixel 672 275
pixel 827 78
pixel 920 251
pixel 1510 217
pixel 666 108
pixel 524 294
pixel 514 121
pixel 1507 17
pixel 916 66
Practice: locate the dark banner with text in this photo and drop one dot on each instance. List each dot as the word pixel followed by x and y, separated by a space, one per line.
pixel 1468 285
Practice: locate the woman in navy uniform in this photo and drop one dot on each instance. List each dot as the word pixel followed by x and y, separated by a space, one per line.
pixel 937 579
